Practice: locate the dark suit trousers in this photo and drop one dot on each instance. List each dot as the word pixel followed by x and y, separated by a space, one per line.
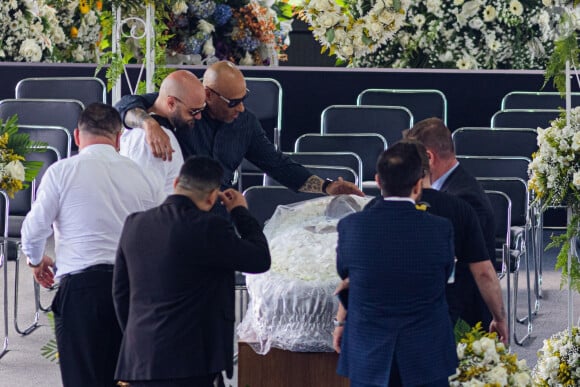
pixel 196 381
pixel 87 332
pixel 395 380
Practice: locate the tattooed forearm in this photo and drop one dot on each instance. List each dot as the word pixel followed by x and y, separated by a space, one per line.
pixel 313 184
pixel 135 118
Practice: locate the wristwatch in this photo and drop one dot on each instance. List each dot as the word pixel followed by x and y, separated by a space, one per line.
pixel 30 264
pixel 338 323
pixel 325 185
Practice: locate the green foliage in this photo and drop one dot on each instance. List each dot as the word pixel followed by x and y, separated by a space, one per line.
pixel 563 241
pixel 564 49
pixel 461 329
pixel 50 349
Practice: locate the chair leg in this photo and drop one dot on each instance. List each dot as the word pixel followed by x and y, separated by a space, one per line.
pixel 506 259
pixel 528 318
pixel 3 264
pixel 34 323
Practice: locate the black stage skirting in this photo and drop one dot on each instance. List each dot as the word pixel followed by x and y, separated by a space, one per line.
pixel 473 96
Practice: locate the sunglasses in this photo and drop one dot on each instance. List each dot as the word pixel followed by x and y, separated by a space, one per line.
pixel 193 111
pixel 231 102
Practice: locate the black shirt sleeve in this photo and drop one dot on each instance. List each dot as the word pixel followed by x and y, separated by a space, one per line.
pixel 129 102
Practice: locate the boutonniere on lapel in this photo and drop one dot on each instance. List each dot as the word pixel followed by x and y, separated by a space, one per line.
pixel 422 206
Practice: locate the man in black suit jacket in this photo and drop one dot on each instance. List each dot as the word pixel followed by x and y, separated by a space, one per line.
pixel 447 175
pixel 174 281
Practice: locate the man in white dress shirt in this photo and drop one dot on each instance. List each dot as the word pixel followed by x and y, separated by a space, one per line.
pixel 179 104
pixel 85 200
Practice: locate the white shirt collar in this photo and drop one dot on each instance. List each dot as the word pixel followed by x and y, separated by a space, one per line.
pixel 437 184
pixel 399 199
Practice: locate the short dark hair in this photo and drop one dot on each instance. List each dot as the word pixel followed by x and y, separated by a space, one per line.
pixel 100 120
pixel 422 152
pixel 433 133
pixel 399 168
pixel 200 173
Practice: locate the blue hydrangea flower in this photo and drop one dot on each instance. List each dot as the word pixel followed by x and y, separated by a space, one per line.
pixel 222 14
pixel 248 43
pixel 193 45
pixel 202 9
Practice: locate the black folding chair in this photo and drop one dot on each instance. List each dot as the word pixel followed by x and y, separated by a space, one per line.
pixel 339 159
pixel 265 101
pixel 324 171
pixel 44 112
pixel 521 243
pixel 367 146
pixel 536 100
pixel 4 266
pixel 500 166
pixel 501 205
pixel 57 137
pixel 388 121
pixel 493 142
pixel 423 103
pixel 524 118
pixel 84 89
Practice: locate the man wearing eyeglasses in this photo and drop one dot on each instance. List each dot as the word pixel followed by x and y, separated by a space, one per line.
pixel 228 133
pixel 178 106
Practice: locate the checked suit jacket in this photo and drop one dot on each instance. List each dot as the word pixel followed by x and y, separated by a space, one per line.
pixel 173 288
pixel 398 260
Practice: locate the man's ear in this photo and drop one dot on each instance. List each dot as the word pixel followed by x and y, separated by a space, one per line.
pixel 76 135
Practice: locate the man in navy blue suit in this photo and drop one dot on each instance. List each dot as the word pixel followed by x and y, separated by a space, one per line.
pixel 398 260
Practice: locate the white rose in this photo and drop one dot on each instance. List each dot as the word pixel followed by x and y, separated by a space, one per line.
pixel 547 3
pixel 179 7
pixel 15 169
pixel 476 346
pixel 522 379
pixel 419 20
pixel 30 50
pixel 208 48
pixel 489 13
pixel 347 51
pixel 328 20
pixel 78 54
pixel 91 18
pixel 498 376
pixel 516 7
pixel 476 23
pixel 457 2
pixel 205 27
pixel 247 60
pixel 470 8
pixel 461 350
pixel 446 57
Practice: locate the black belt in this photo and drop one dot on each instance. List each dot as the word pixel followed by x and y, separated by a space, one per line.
pixel 102 267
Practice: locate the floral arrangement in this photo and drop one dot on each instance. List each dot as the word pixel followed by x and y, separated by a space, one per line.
pixel 555 180
pixel 80 20
pixel 30 32
pixel 353 30
pixel 241 31
pixel 484 361
pixel 473 34
pixel 559 360
pixel 15 171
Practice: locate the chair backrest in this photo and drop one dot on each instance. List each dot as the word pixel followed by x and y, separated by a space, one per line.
pixel 339 159
pixel 368 146
pixel 423 103
pixel 4 217
pixel 19 206
pixel 491 142
pixel 506 166
pixel 501 205
pixel 524 118
pixel 325 172
pixel 265 101
pixel 48 157
pixel 262 201
pixel 44 112
pixel 388 121
pixel 516 190
pixel 84 89
pixel 57 137
pixel 536 100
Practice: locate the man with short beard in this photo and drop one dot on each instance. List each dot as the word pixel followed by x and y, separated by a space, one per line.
pixel 179 104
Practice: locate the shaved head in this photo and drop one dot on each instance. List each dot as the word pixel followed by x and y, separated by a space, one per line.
pixel 183 85
pixel 224 82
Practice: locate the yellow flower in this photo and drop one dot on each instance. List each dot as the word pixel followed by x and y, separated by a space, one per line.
pixel 84 7
pixel 99 5
pixel 74 32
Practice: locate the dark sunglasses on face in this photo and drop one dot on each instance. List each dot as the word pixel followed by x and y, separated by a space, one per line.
pixel 194 111
pixel 231 102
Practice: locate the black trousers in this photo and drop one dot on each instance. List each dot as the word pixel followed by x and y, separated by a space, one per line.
pixel 87 333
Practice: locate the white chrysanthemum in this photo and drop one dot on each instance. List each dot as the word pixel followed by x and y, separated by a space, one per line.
pixel 419 20
pixel 205 27
pixel 489 13
pixel 15 170
pixel 458 2
pixel 516 7
pixel 547 3
pixel 30 51
pixel 470 8
pixel 208 48
pixel 494 45
pixel 180 7
pixel 476 23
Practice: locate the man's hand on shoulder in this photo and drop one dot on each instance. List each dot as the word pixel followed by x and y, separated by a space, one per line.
pixel 231 199
pixel 157 140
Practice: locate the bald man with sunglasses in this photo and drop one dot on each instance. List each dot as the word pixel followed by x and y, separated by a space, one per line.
pixel 228 133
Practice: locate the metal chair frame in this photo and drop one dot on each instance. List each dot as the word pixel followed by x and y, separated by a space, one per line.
pixel 21 90
pixel 543 113
pixel 541 100
pixel 339 159
pixel 62 152
pixel 323 171
pixel 4 266
pixel 360 100
pixel 492 142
